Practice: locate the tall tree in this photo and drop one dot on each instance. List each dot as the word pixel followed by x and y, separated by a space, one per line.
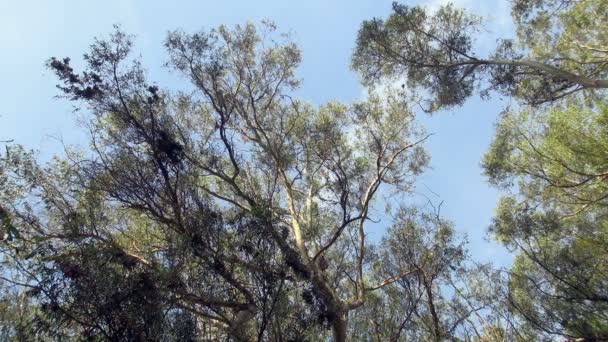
pixel 557 217
pixel 216 205
pixel 414 307
pixel 550 158
pixel 447 297
pixel 561 50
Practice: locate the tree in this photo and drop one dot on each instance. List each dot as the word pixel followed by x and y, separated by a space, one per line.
pixel 548 151
pixel 96 266
pixel 233 206
pixel 446 296
pixel 557 219
pixel 230 210
pixel 560 51
pixel 413 307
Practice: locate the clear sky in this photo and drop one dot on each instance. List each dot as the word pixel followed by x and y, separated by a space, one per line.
pixel 32 31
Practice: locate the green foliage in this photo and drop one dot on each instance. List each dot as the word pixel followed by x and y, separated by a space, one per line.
pixel 233 211
pixel 9 231
pixel 410 41
pixel 556 158
pixel 559 155
pixel 551 159
pixel 560 51
pixel 227 213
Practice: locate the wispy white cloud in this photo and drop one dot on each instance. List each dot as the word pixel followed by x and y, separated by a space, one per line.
pixel 434 5
pixel 496 13
pixel 385 88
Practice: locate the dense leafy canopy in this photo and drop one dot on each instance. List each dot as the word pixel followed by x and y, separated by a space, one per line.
pixel 561 50
pixel 557 218
pixel 231 210
pixel 549 159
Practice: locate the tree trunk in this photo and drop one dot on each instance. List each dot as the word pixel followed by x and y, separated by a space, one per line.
pixel 437 331
pixel 339 327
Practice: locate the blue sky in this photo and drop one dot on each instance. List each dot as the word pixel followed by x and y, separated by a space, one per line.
pixel 32 31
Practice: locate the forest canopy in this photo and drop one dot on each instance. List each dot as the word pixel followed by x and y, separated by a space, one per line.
pixel 230 209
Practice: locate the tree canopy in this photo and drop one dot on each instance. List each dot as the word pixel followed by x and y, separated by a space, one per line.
pixel 560 50
pixel 220 204
pixel 230 209
pixel 548 150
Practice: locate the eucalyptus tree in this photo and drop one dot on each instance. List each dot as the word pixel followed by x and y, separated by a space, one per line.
pixel 447 297
pixel 560 50
pixel 91 241
pixel 317 170
pixel 556 218
pixel 548 151
pixel 414 307
pixel 229 205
